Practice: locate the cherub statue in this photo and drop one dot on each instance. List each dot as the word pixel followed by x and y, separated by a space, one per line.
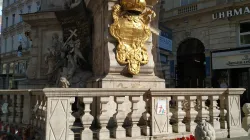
pixel 64 82
pixel 73 56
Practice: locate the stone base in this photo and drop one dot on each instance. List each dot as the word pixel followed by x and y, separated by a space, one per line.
pixel 177 128
pixel 172 136
pixel 87 135
pixel 237 132
pixel 134 131
pixel 222 133
pixel 119 81
pixel 120 132
pixel 104 134
pixel 191 127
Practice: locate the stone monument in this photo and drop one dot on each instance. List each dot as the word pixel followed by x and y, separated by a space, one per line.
pixel 96 44
pixel 61 44
pixel 115 63
pixel 66 32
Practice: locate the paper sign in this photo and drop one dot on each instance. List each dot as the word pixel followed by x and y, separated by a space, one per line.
pixel 161 107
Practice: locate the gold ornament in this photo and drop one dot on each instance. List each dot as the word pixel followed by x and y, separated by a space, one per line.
pixel 131 29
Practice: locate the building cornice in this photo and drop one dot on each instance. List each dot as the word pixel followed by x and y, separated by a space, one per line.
pixel 12 56
pixel 15 28
pixel 40 18
pixel 14 6
pixel 202 11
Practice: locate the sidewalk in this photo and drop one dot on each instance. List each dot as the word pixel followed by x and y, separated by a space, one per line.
pixel 239 138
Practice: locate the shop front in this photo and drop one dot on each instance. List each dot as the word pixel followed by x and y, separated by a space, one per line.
pixel 231 68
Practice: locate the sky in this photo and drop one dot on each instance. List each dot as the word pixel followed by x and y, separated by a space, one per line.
pixel 1 5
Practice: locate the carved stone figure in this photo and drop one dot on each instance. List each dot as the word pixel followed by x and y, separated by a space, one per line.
pixel 131 29
pixel 54 59
pixel 204 131
pixel 64 82
pixel 73 56
pixel 63 58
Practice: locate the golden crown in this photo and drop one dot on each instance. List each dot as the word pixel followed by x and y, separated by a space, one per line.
pixel 133 5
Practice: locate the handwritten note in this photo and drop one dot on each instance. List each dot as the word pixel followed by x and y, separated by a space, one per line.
pixel 161 107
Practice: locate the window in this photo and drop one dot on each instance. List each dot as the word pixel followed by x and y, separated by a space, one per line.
pixel 29 9
pixel 8 2
pixel 186 2
pixel 12 43
pixel 6 22
pixel 13 19
pixel 38 5
pixel 163 58
pixel 245 33
pixel 21 12
pixel 5 44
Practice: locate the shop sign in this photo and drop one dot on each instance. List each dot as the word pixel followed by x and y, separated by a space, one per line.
pixel 231 61
pixel 165 38
pixel 165 43
pixel 231 13
pixel 244 61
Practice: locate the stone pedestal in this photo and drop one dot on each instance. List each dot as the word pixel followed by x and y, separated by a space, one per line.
pixel 234 114
pixel 43 26
pixel 246 119
pixel 108 73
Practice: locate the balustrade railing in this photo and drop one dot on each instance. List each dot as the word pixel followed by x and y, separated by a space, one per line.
pixel 87 114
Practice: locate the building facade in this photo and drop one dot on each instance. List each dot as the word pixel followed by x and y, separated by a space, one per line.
pixel 15 42
pixel 211 41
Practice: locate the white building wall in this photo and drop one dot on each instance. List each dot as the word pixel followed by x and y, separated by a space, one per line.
pixel 23 7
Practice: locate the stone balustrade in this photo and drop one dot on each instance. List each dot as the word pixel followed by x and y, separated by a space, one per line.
pixel 246 119
pixel 69 114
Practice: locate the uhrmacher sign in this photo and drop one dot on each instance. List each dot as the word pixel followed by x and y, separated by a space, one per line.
pixel 231 13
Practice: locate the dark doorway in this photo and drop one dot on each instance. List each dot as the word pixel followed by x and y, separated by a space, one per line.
pixel 190 64
pixel 240 79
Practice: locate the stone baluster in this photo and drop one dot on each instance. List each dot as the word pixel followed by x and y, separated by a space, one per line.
pixel 19 106
pixel 223 112
pixel 135 116
pixel 36 111
pixel 246 119
pixel 170 114
pixel 214 112
pixel 104 119
pixel 39 112
pixel 87 119
pixel 4 109
pixel 34 103
pixel 71 119
pixel 11 117
pixel 146 116
pixel 234 113
pixel 203 112
pixel 120 116
pixel 179 115
pixel 44 112
pixel 191 113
